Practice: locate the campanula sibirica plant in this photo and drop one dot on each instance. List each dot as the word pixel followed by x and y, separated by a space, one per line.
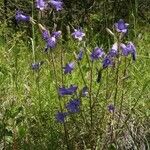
pixel 97 109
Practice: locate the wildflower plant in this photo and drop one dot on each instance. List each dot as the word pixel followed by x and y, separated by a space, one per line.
pixel 90 108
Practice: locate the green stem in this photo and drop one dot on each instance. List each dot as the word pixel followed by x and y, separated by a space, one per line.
pixel 91 82
pixel 56 82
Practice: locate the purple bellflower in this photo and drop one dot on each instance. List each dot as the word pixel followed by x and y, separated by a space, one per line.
pixel 107 61
pixel 97 53
pixel 45 35
pixel 56 34
pixel 121 26
pixel 40 4
pixel 78 34
pixel 51 42
pixel 114 50
pixel 129 48
pixel 57 4
pixel 73 106
pixel 60 117
pixel 111 108
pixel 36 66
pixel 69 67
pixel 20 16
pixel 132 48
pixel 67 91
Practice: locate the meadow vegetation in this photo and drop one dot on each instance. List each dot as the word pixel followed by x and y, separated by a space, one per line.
pixel 74 76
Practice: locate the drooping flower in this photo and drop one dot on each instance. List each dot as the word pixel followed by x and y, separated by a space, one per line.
pixel 20 16
pixel 73 106
pixel 106 62
pixel 132 48
pixel 57 4
pixel 97 53
pixel 60 117
pixel 114 50
pixel 78 34
pixel 111 108
pixel 56 34
pixel 80 55
pixel 51 42
pixel 45 35
pixel 67 91
pixel 121 26
pixel 69 67
pixel 36 66
pixel 129 49
pixel 40 4
pixel 84 91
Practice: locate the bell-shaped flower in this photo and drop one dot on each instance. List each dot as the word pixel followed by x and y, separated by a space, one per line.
pixel 69 67
pixel 60 117
pixel 97 53
pixel 67 91
pixel 20 16
pixel 73 106
pixel 121 26
pixel 40 4
pixel 56 4
pixel 78 34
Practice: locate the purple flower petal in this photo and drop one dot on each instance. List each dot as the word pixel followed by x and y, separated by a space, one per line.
pixel 67 91
pixel 60 117
pixel 69 67
pixel 57 4
pixel 111 108
pixel 20 16
pixel 40 4
pixel 78 34
pixel 56 34
pixel 121 26
pixel 51 42
pixel 97 53
pixel 73 106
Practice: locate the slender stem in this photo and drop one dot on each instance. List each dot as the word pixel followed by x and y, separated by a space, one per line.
pixel 116 82
pixel 91 81
pixel 82 75
pixel 56 82
pixel 122 95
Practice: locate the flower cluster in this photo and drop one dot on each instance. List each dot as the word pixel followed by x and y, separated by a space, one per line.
pixel 51 40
